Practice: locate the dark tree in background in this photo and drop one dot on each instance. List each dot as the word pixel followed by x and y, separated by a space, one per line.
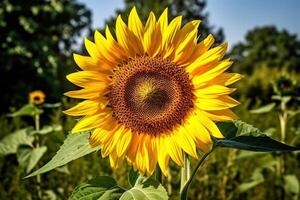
pixel 35 41
pixel 267 46
pixel 189 9
pixel 266 54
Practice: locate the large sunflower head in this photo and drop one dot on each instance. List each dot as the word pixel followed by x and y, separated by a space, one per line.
pixel 153 92
pixel 37 97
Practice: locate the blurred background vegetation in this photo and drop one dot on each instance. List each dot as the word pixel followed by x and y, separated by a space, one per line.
pixel 37 38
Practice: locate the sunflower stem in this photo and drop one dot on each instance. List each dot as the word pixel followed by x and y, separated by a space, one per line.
pixel 185 171
pixel 185 188
pixel 37 128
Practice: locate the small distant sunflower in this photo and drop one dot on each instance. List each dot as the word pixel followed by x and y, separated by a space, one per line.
pixel 37 97
pixel 152 93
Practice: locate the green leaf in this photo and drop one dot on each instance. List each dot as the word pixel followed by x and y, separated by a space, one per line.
pixel 11 143
pixel 48 129
pixel 291 185
pixel 64 169
pixel 264 109
pixel 133 176
pixel 240 135
pixel 100 188
pixel 256 178
pixel 51 105
pixel 248 154
pixel 146 189
pixel 27 110
pixel 75 146
pixel 29 158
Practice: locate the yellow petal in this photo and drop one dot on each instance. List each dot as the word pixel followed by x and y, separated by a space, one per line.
pixel 226 79
pixel 110 144
pixel 168 37
pixel 123 142
pixel 152 149
pixel 135 24
pixel 90 93
pixel 209 125
pixel 91 64
pixel 89 122
pixel 163 20
pixel 115 48
pixel 212 55
pixel 213 91
pixel 108 54
pixel 195 128
pixel 152 36
pixel 202 47
pixel 127 39
pixel 173 149
pixel 163 157
pixel 132 149
pixel 221 115
pixel 98 137
pixel 88 78
pixel 91 48
pixel 183 51
pixel 115 160
pixel 87 107
pixel 201 79
pixel 185 141
pixel 220 103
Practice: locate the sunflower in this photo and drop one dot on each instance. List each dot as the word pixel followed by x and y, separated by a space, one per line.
pixel 153 92
pixel 37 97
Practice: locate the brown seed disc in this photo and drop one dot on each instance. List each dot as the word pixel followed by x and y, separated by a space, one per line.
pixel 150 95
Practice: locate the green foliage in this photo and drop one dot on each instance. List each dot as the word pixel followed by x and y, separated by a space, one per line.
pixel 145 188
pixel 29 157
pixel 264 109
pixel 266 46
pixel 35 42
pixel 102 188
pixel 241 135
pixel 105 187
pixel 75 146
pixel 11 143
pixel 26 110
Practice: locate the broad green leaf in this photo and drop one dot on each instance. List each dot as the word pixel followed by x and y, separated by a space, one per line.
pixel 64 169
pixel 75 146
pixel 29 158
pixel 27 110
pixel 256 178
pixel 244 187
pixel 11 143
pixel 264 109
pixel 100 188
pixel 240 135
pixel 133 176
pixel 146 189
pixel 48 129
pixel 291 185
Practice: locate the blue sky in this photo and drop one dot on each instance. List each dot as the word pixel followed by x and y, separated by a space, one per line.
pixel 236 17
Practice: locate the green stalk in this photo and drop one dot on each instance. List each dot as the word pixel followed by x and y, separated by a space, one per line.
pixel 185 171
pixel 38 177
pixel 184 190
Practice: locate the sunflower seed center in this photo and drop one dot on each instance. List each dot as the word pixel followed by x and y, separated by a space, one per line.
pixel 150 95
